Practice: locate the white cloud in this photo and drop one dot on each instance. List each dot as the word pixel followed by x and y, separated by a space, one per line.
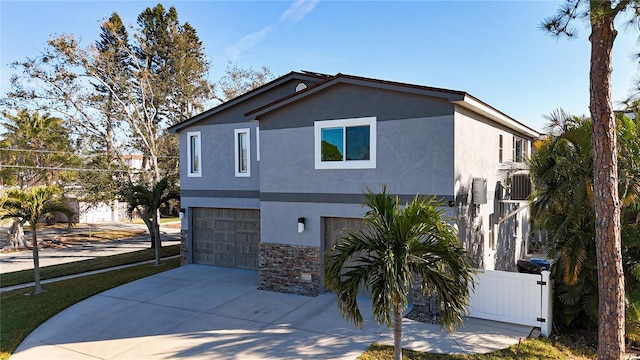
pixel 235 50
pixel 297 11
pixel 292 15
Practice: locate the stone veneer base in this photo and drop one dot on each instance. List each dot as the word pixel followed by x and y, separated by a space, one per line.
pixel 184 250
pixel 293 269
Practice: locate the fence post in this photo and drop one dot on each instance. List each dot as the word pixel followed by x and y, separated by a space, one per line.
pixel 547 304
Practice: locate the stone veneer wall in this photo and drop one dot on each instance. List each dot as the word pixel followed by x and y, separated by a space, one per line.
pixel 418 299
pixel 184 249
pixel 290 269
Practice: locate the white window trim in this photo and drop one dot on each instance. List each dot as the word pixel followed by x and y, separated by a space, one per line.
pixel 258 143
pixel 351 164
pixel 199 147
pixel 236 152
pixel 525 149
pixel 500 148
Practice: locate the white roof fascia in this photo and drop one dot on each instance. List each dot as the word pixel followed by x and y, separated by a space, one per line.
pixel 480 108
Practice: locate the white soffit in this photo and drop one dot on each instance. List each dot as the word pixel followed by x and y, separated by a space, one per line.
pixel 491 113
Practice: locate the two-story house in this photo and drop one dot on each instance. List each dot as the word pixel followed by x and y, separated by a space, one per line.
pixel 271 178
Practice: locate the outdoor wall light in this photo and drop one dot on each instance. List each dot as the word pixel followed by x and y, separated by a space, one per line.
pixel 300 224
pixel 181 213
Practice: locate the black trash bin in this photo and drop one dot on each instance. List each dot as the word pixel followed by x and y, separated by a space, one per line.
pixel 529 267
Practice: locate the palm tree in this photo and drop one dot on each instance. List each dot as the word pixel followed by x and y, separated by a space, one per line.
pixel 32 205
pixel 148 202
pixel 394 246
pixel 563 204
pixel 37 148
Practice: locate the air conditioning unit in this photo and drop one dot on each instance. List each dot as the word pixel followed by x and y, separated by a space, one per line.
pixel 520 186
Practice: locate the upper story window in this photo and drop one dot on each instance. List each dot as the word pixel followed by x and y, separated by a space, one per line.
pixel 500 147
pixel 194 159
pixel 520 148
pixel 242 144
pixel 345 144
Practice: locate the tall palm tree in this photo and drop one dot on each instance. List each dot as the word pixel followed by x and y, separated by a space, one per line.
pixel 395 245
pixel 32 205
pixel 148 202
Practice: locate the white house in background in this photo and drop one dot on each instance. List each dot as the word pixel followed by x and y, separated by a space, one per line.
pixel 134 161
pixel 112 211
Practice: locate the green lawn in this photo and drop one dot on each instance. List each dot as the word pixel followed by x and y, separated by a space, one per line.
pixel 21 313
pixel 50 272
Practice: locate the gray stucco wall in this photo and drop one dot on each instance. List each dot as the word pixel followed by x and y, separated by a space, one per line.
pixel 217 145
pixel 414 155
pixel 347 101
pixel 218 162
pixel 218 186
pixel 279 221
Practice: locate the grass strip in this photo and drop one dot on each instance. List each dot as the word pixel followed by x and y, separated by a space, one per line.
pixel 22 313
pixel 76 267
pixel 533 349
pixel 101 235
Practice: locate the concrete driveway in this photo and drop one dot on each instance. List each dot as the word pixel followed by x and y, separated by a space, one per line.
pixel 205 312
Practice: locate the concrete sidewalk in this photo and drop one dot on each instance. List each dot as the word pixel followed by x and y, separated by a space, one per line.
pixel 205 312
pixel 73 276
pixel 22 260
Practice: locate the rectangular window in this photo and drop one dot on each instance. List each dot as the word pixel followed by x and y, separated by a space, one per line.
pixel 500 150
pixel 194 160
pixel 345 144
pixel 519 149
pixel 242 150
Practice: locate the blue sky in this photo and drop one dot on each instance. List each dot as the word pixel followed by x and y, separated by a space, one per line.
pixel 493 50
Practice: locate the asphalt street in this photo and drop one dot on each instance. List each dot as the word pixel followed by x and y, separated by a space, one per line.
pixel 21 260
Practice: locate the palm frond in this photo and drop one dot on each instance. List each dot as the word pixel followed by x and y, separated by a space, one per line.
pixel 394 244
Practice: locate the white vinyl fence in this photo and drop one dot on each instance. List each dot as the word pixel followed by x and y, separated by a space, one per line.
pixel 515 298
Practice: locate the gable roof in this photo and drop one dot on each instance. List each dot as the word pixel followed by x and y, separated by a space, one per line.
pixel 323 81
pixel 460 98
pixel 305 75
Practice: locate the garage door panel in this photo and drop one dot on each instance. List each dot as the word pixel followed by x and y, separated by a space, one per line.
pixel 334 230
pixel 226 237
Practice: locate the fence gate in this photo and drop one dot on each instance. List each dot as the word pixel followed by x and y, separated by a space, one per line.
pixel 515 298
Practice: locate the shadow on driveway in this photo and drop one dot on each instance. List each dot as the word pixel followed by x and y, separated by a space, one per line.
pixel 205 312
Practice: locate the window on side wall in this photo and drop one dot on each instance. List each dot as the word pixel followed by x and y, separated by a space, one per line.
pixel 242 144
pixel 345 144
pixel 500 149
pixel 519 149
pixel 194 159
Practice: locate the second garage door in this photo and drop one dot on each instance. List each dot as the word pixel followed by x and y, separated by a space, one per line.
pixel 226 237
pixel 334 229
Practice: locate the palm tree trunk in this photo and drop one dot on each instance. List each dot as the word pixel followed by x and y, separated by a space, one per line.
pixel 156 231
pixel 397 332
pixel 36 260
pixel 150 226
